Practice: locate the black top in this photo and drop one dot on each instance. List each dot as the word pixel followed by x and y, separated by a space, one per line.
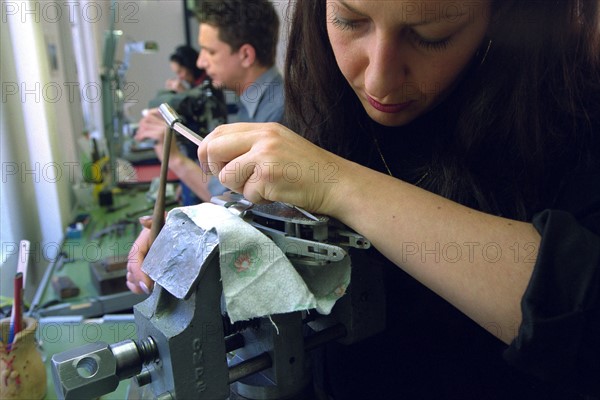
pixel 430 350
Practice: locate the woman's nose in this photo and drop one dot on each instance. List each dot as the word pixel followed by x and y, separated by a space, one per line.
pixel 387 69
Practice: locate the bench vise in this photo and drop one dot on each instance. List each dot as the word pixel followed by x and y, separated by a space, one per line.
pixel 188 349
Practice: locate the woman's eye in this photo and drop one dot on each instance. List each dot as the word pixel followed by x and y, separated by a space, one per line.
pixel 429 44
pixel 344 24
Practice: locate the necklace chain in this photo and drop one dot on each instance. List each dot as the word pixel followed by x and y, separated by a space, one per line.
pixel 387 168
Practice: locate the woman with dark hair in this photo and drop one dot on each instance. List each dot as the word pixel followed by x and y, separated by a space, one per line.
pixel 183 65
pixel 463 140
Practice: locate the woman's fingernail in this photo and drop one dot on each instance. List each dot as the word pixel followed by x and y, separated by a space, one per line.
pixel 145 218
pixel 144 288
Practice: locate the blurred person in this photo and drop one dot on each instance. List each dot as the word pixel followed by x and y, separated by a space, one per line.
pixel 183 65
pixel 238 42
pixel 183 94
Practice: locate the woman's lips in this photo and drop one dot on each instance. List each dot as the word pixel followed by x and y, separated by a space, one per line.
pixel 388 108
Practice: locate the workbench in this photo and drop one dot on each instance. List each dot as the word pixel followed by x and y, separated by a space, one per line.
pixel 91 316
pixel 110 232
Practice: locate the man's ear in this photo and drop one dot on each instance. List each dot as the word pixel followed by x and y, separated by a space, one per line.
pixel 247 55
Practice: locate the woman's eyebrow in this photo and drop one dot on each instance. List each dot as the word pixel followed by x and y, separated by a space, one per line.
pixel 426 21
pixel 350 8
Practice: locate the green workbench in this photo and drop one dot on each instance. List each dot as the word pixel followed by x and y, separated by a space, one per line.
pixel 91 316
pixel 120 226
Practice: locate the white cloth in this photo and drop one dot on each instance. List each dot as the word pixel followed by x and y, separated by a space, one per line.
pixel 258 279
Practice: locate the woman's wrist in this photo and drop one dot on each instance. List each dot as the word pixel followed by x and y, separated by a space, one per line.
pixel 344 190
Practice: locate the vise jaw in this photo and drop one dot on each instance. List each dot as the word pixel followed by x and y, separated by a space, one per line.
pixel 182 353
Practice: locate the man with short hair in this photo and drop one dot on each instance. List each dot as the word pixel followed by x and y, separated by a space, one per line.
pixel 238 44
pixel 238 41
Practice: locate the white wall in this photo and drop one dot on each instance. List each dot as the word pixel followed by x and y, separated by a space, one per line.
pixel 37 136
pixel 14 201
pixel 156 20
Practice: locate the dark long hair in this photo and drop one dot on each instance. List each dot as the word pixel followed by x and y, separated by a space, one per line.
pixel 187 56
pixel 523 115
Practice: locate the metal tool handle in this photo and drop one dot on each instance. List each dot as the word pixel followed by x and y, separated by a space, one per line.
pixel 174 120
pixel 158 216
pixel 168 114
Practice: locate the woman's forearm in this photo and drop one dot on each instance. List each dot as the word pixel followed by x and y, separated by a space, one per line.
pixel 478 262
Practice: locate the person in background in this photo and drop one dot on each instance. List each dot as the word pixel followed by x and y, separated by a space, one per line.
pixel 183 65
pixel 189 84
pixel 463 140
pixel 238 42
pixel 187 77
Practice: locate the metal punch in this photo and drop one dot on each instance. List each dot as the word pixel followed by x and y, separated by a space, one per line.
pixel 174 121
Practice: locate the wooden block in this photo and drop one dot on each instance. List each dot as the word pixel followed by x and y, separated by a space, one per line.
pixel 64 287
pixel 115 263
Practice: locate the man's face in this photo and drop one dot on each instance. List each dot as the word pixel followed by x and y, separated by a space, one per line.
pixel 221 63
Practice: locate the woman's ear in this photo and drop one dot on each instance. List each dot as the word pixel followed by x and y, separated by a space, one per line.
pixel 247 55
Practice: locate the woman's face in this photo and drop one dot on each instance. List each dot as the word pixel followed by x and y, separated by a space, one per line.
pixel 403 57
pixel 182 73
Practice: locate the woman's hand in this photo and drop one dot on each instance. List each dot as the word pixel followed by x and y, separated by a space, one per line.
pixel 176 85
pixel 268 162
pixel 137 281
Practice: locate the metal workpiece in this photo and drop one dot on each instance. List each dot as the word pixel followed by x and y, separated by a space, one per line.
pixel 296 232
pixel 96 369
pixel 275 211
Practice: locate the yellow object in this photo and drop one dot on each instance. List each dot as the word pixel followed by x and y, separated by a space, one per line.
pixel 92 172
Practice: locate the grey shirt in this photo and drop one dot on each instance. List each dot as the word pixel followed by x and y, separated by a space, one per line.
pixel 262 101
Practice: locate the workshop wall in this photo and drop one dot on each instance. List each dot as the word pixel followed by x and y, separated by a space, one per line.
pixel 160 21
pixel 38 124
pixel 13 199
